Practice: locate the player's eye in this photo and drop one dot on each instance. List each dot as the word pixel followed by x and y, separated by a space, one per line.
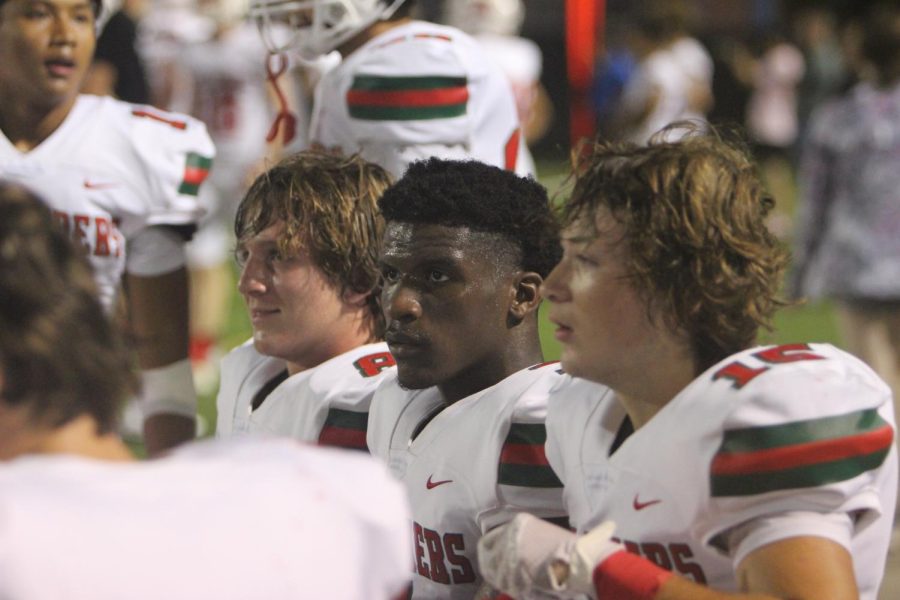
pixel 390 274
pixel 240 256
pixel 436 276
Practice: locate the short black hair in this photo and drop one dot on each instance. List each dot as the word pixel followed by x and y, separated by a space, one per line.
pixel 483 198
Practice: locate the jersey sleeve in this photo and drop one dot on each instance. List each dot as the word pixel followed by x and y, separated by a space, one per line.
pixel 428 93
pixel 176 154
pixel 811 430
pixel 525 480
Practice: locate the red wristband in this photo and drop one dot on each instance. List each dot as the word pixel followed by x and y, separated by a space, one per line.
pixel 626 576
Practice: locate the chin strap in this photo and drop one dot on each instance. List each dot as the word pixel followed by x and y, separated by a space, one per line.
pixel 285 117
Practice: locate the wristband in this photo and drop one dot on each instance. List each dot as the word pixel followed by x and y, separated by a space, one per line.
pixel 168 390
pixel 626 576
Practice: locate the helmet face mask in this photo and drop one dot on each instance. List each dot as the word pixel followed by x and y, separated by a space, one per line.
pixel 312 28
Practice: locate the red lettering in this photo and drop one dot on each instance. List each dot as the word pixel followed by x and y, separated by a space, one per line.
pixel 672 557
pixel 101 225
pixel 421 567
pixel 787 353
pixel 79 235
pixel 63 220
pixel 373 364
pixel 656 553
pixel 436 557
pixel 464 573
pixel 680 552
pixel 739 374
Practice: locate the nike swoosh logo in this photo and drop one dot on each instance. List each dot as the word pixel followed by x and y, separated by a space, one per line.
pixel 433 484
pixel 638 505
pixel 92 185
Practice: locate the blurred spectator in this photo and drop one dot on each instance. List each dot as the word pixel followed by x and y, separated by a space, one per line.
pixel 657 93
pixel 815 30
pixel 772 109
pixel 614 67
pixel 848 247
pixel 691 56
pixel 772 122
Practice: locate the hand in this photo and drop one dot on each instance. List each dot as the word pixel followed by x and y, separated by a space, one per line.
pixel 529 557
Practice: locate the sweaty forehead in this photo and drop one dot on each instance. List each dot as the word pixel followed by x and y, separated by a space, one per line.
pixel 435 242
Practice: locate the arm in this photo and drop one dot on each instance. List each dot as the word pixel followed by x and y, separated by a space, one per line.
pixel 531 555
pixel 158 312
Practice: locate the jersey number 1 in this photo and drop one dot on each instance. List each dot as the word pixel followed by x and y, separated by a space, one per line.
pixel 740 374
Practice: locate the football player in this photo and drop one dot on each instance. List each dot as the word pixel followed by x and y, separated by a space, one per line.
pixel 405 89
pixel 461 421
pixel 714 467
pixel 81 521
pixel 307 234
pixel 121 178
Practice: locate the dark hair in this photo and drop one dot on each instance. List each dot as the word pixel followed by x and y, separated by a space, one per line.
pixel 483 198
pixel 59 354
pixel 328 205
pixel 699 251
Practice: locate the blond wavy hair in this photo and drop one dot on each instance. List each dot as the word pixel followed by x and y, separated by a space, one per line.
pixel 329 207
pixel 699 251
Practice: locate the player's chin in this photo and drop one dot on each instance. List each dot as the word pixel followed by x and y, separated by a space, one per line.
pixel 568 360
pixel 414 377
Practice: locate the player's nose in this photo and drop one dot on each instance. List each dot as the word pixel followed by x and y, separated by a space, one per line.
pixel 402 303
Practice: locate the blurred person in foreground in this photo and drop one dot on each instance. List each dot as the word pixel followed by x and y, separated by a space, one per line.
pixel 308 233
pixel 82 520
pixel 723 469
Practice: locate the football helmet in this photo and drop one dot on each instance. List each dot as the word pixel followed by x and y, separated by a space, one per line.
pixel 313 28
pixel 475 17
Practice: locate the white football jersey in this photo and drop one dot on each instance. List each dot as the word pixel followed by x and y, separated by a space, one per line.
pixel 112 168
pixel 327 404
pixel 416 91
pixel 213 520
pixel 780 435
pixel 472 467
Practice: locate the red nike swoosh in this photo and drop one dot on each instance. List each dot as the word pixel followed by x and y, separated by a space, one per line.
pixel 638 505
pixel 433 484
pixel 91 185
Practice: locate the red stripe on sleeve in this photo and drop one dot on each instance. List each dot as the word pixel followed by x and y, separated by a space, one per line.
pixel 439 97
pixel 801 455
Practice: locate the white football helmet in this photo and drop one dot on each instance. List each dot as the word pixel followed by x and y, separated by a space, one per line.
pixel 475 17
pixel 313 28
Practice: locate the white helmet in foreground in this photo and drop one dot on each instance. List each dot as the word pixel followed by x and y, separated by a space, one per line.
pixel 313 28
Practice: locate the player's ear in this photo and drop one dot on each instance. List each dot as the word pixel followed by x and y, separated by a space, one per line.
pixel 527 296
pixel 354 298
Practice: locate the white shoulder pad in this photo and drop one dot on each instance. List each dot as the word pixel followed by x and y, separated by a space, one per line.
pixel 808 428
pixel 176 153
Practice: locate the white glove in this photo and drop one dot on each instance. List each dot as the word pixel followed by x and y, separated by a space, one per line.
pixel 529 557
